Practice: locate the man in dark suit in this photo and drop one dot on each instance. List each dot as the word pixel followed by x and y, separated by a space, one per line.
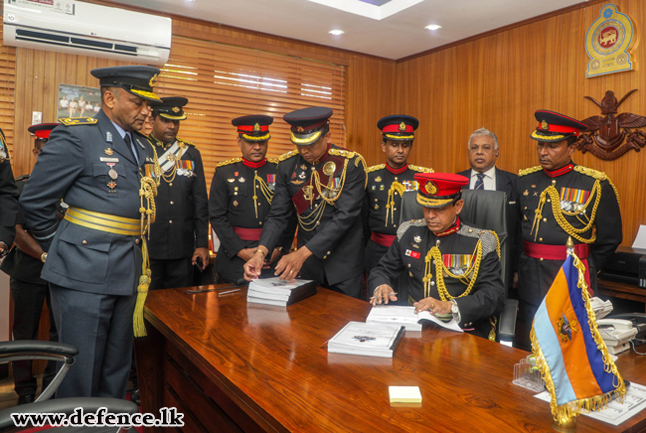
pixel 24 265
pixel 95 256
pixel 8 199
pixel 324 185
pixel 484 175
pixel 179 238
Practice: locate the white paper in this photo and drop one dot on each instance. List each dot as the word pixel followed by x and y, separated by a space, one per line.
pixel 616 413
pixel 640 239
pixel 368 339
pixel 403 315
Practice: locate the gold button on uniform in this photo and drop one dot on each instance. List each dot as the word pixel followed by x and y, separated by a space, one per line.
pixel 410 274
pixel 544 220
pixel 172 202
pixel 137 241
pixel 170 222
pixel 84 242
pixel 170 184
pixel 541 259
pixel 540 239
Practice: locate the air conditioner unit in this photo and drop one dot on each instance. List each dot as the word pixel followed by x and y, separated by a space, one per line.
pixel 72 27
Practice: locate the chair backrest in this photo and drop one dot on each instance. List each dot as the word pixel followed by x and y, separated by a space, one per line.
pixel 482 209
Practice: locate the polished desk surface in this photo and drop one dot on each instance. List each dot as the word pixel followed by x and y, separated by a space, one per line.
pixel 273 363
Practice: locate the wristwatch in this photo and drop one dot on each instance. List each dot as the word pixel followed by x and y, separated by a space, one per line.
pixel 454 307
pixel 43 257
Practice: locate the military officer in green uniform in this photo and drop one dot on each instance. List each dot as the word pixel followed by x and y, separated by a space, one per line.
pixel 561 200
pixel 96 262
pixel 179 237
pixel 242 191
pixel 449 268
pixel 386 184
pixel 8 199
pixel 323 185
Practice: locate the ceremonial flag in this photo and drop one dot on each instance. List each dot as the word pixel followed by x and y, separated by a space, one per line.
pixel 569 350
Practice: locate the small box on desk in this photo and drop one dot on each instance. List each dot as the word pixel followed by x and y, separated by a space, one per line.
pixel 627 265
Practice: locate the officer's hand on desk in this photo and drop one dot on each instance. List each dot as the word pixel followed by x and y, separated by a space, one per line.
pixel 433 305
pixel 203 254
pixel 383 294
pixel 246 253
pixel 290 265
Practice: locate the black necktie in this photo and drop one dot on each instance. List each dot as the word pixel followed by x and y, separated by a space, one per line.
pixel 131 147
pixel 480 181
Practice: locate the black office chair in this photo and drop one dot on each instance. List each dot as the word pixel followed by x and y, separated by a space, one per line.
pixel 485 210
pixel 65 353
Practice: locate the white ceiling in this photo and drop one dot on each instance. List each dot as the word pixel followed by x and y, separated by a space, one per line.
pixel 400 35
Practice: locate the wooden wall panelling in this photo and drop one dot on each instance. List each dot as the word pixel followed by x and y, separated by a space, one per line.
pixel 499 80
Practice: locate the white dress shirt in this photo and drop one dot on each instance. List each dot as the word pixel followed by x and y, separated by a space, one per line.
pixel 489 179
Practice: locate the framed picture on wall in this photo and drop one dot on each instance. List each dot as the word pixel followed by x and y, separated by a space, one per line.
pixel 78 101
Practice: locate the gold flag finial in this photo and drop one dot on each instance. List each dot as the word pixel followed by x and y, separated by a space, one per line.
pixel 569 245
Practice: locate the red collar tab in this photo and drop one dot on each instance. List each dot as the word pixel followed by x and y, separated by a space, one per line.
pixel 252 128
pixel 397 127
pixel 250 164
pixel 454 228
pixel 561 171
pixel 397 170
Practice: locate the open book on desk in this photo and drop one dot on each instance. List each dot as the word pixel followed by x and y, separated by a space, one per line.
pixel 402 315
pixel 367 339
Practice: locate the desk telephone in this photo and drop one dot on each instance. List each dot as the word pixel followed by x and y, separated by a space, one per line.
pixel 623 326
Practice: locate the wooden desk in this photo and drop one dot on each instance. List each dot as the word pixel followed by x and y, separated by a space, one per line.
pixel 621 290
pixel 235 367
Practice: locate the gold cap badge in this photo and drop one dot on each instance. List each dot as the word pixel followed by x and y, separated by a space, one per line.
pixel 545 125
pixel 256 127
pixel 153 80
pixel 402 126
pixel 175 109
pixel 299 129
pixel 430 188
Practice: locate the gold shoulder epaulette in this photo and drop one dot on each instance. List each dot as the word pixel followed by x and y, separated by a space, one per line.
pixel 272 160
pixel 185 142
pixel 229 161
pixel 287 155
pixel 591 172
pixel 375 168
pixel 420 169
pixel 342 152
pixel 71 121
pixel 531 170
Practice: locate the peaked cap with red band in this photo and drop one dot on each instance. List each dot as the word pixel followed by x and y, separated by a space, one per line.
pixel 436 190
pixel 399 127
pixel 553 127
pixel 254 127
pixel 42 130
pixel 307 124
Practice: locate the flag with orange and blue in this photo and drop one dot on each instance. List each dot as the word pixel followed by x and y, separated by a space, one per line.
pixel 572 357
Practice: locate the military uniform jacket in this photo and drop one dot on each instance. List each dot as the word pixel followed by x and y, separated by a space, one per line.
pixel 379 216
pixel 73 165
pixel 407 255
pixel 8 196
pixel 574 188
pixel 231 204
pixel 333 235
pixel 182 222
pixel 19 264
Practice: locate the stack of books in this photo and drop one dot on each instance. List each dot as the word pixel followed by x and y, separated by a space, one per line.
pixel 367 339
pixel 272 291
